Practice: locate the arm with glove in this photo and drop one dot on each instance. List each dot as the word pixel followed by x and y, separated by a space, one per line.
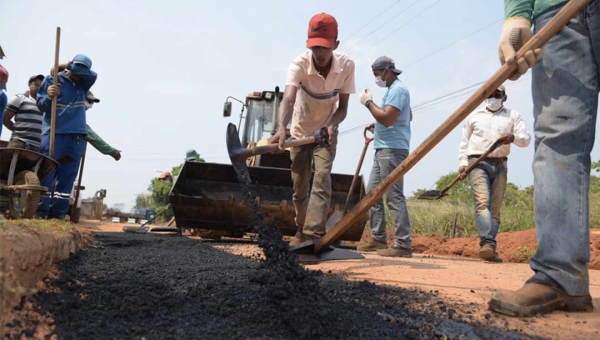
pixel 516 32
pixel 385 116
pixel 99 144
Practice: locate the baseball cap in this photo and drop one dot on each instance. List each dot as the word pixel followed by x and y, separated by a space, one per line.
pixel 383 63
pixel 322 31
pixel 82 59
pixel 501 88
pixel 165 174
pixel 90 96
pixel 191 155
pixel 34 78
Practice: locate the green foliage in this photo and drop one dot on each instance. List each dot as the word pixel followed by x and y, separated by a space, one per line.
pixel 517 209
pixel 157 196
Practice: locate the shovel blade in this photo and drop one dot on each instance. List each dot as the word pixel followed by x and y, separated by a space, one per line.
pixel 306 253
pixel 432 195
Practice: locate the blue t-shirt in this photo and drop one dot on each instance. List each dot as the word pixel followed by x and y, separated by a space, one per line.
pixel 396 136
pixel 3 103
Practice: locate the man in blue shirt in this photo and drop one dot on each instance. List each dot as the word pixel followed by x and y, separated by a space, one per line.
pixel 71 130
pixel 392 142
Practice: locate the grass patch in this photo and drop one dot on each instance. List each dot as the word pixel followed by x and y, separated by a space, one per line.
pixel 522 255
pixel 57 227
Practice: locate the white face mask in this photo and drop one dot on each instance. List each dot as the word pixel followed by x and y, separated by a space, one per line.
pixel 380 82
pixel 493 104
pixel 88 105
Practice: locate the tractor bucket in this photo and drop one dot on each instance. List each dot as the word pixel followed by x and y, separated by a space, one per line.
pixel 209 196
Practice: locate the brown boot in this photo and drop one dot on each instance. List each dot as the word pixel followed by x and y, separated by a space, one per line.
pixel 536 298
pixel 487 252
pixel 373 245
pixel 395 251
pixel 298 238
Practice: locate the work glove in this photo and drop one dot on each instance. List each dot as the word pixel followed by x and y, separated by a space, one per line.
pixel 370 128
pixel 365 96
pixel 53 91
pixel 516 32
pixel 61 67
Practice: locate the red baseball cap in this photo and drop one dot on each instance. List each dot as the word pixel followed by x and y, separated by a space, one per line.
pixel 322 31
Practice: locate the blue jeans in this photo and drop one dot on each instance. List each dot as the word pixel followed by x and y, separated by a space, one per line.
pixel 68 150
pixel 386 160
pixel 565 102
pixel 488 184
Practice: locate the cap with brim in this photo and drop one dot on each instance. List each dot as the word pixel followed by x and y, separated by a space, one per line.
pixel 322 31
pixel 90 96
pixel 34 78
pixel 501 88
pixel 191 155
pixel 383 63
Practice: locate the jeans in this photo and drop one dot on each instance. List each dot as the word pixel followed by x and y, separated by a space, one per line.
pixel 311 214
pixel 386 160
pixel 488 184
pixel 565 101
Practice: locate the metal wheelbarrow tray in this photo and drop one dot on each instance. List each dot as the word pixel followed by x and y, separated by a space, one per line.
pixel 209 196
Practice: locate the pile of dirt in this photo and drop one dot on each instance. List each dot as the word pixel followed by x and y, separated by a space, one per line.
pixel 514 246
pixel 26 256
pixel 160 287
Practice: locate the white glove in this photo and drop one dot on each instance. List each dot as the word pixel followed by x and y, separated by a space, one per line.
pixel 516 32
pixel 365 96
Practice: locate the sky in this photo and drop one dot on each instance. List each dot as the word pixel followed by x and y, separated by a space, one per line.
pixel 165 69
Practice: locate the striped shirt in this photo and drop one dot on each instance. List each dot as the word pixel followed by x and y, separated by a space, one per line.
pixel 317 97
pixel 28 119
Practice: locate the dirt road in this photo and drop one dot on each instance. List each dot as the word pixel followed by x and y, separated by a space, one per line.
pixel 159 286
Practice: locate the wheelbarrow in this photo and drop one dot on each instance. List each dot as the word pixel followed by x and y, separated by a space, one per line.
pixel 21 172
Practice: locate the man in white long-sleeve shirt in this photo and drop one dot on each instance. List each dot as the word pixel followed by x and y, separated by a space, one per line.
pixel 488 180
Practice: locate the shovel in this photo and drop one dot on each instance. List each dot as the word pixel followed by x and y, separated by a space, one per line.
pixel 143 229
pixel 569 11
pixel 436 194
pixel 337 214
pixel 238 154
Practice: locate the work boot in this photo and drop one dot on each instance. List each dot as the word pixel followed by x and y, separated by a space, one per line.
pixel 298 238
pixel 537 298
pixel 487 252
pixel 395 251
pixel 373 245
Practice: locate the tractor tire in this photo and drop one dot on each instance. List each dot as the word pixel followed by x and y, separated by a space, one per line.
pixel 26 205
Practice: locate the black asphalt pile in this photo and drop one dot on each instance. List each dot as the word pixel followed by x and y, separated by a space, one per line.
pixel 169 287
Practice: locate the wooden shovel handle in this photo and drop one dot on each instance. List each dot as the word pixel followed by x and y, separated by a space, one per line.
pixel 472 166
pixel 54 82
pixel 537 41
pixel 357 172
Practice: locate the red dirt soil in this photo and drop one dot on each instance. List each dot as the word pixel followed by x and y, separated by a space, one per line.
pixel 517 246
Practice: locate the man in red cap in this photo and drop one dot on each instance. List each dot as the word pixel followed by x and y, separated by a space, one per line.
pixel 317 89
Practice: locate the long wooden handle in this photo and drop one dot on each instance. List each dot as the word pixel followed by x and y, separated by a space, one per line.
pixel 472 166
pixel 259 150
pixel 562 18
pixel 77 193
pixel 355 179
pixel 54 82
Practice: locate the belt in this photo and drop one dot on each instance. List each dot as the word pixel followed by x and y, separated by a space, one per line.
pixel 491 159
